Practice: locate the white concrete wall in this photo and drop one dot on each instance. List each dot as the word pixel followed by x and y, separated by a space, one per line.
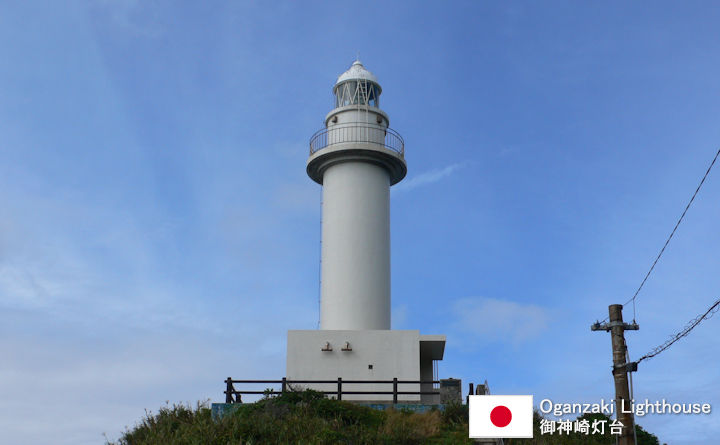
pixel 343 126
pixel 355 271
pixel 391 354
pixel 352 113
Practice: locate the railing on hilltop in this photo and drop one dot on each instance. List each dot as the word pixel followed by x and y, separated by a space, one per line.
pixel 358 132
pixel 234 396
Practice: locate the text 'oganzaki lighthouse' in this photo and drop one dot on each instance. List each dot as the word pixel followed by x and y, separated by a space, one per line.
pixel 356 159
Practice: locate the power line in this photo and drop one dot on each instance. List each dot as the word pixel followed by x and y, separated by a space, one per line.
pixel 702 181
pixel 686 330
pixel 672 233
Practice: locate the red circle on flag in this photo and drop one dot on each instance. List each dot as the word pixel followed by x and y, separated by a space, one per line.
pixel 500 416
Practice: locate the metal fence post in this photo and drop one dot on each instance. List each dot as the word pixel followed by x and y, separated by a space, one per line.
pixel 395 390
pixel 339 391
pixel 284 385
pixel 228 390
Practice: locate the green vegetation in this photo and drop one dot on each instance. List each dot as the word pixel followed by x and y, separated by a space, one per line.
pixel 298 418
pixel 309 418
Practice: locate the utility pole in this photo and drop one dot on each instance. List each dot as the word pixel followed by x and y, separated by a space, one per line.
pixel 617 329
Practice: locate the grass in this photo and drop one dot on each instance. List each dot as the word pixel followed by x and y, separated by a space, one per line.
pixel 308 417
pixel 298 418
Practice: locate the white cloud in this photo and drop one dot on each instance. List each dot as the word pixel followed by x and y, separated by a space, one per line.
pixel 428 177
pixel 89 387
pixel 493 320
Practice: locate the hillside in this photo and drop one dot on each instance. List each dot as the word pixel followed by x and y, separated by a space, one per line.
pixel 309 418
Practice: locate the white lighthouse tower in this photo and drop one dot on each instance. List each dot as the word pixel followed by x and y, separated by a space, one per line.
pixel 356 158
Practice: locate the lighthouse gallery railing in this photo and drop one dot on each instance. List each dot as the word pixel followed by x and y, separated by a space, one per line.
pixel 358 132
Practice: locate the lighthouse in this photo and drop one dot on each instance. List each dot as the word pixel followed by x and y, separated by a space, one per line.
pixel 356 158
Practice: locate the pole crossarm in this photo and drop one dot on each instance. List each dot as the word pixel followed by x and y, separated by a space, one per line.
pixel 597 326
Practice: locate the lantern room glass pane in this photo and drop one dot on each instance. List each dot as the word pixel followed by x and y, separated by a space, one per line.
pixel 371 94
pixel 352 92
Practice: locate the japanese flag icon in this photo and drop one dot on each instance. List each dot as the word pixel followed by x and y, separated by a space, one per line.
pixel 494 417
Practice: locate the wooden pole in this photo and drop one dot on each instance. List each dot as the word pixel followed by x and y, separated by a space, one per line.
pixel 623 403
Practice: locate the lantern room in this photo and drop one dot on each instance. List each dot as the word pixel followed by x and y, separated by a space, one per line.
pixel 357 86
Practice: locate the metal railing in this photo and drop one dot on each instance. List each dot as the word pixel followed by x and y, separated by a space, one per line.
pixel 233 395
pixel 358 132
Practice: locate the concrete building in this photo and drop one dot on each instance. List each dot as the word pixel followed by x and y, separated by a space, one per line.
pixel 357 158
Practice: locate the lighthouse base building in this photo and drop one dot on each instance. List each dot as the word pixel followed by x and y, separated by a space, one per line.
pixel 366 355
pixel 356 158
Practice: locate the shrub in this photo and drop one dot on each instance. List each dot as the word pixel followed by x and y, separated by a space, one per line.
pixel 308 417
pixel 408 428
pixel 455 414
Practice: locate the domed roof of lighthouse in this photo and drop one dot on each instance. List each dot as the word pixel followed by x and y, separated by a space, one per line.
pixel 357 71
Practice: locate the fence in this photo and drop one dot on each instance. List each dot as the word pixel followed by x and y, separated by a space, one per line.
pixel 358 132
pixel 234 396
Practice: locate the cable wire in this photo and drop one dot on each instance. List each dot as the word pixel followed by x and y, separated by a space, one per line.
pixel 673 230
pixel 669 237
pixel 686 330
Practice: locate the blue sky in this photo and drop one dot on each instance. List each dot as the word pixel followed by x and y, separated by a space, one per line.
pixel 158 232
